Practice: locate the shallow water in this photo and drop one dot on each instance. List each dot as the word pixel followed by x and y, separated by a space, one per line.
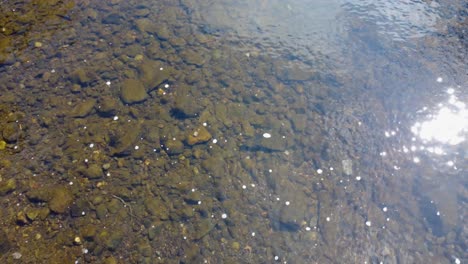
pixel 233 132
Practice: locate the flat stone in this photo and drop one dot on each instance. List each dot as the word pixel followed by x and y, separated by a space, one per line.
pixel 174 147
pixel 61 199
pixel 185 105
pixel 151 74
pixel 198 136
pixel 133 91
pixel 84 108
pixel 146 25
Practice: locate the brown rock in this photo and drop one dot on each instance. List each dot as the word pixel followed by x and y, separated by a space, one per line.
pixel 199 135
pixel 133 91
pixel 61 199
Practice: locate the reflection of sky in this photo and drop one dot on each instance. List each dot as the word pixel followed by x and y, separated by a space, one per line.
pixel 447 125
pixel 437 131
pixel 300 23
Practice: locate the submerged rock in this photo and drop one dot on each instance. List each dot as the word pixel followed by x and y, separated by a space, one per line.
pixel 61 199
pixel 153 73
pixel 199 135
pixel 80 76
pixel 122 141
pixel 7 186
pixel 185 105
pixel 84 108
pixel 11 132
pixel 133 91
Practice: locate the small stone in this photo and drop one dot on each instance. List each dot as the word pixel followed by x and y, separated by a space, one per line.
pixel 7 186
pixel 199 135
pixel 76 88
pixel 10 132
pixel 84 108
pixel 133 91
pixel 80 76
pixel 2 144
pixel 235 245
pixel 94 171
pixel 37 44
pixel 174 147
pixel 21 218
pixel 16 255
pixel 33 213
pixel 61 199
pixel 107 106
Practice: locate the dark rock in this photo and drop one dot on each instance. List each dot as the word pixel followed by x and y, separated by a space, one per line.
pixel 113 18
pixel 5 244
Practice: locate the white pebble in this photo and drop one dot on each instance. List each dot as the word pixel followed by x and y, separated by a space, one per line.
pixel 16 255
pixel 328 219
pixel 358 178
pixel 307 228
pixel 439 79
pixel 457 261
pixel 319 171
pixel 137 147
pixel 108 83
pixel 384 209
pixel 215 141
pixel 244 187
pixel 287 203
pixel 224 216
pixel 116 118
pixel 91 145
pixel 253 234
pixel 276 257
pixel 266 135
pixel 368 223
pixel 166 85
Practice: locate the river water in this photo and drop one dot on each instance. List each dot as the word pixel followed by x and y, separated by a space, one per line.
pixel 261 131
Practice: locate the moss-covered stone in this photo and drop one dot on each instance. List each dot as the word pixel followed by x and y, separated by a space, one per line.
pixel 173 147
pixel 93 171
pixel 84 108
pixel 7 186
pixel 107 106
pixel 80 76
pixel 133 91
pixel 61 199
pixel 11 132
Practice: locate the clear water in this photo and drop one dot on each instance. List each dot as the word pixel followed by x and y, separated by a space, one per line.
pixel 337 131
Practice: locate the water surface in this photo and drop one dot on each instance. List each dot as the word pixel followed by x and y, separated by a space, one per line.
pixel 233 132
